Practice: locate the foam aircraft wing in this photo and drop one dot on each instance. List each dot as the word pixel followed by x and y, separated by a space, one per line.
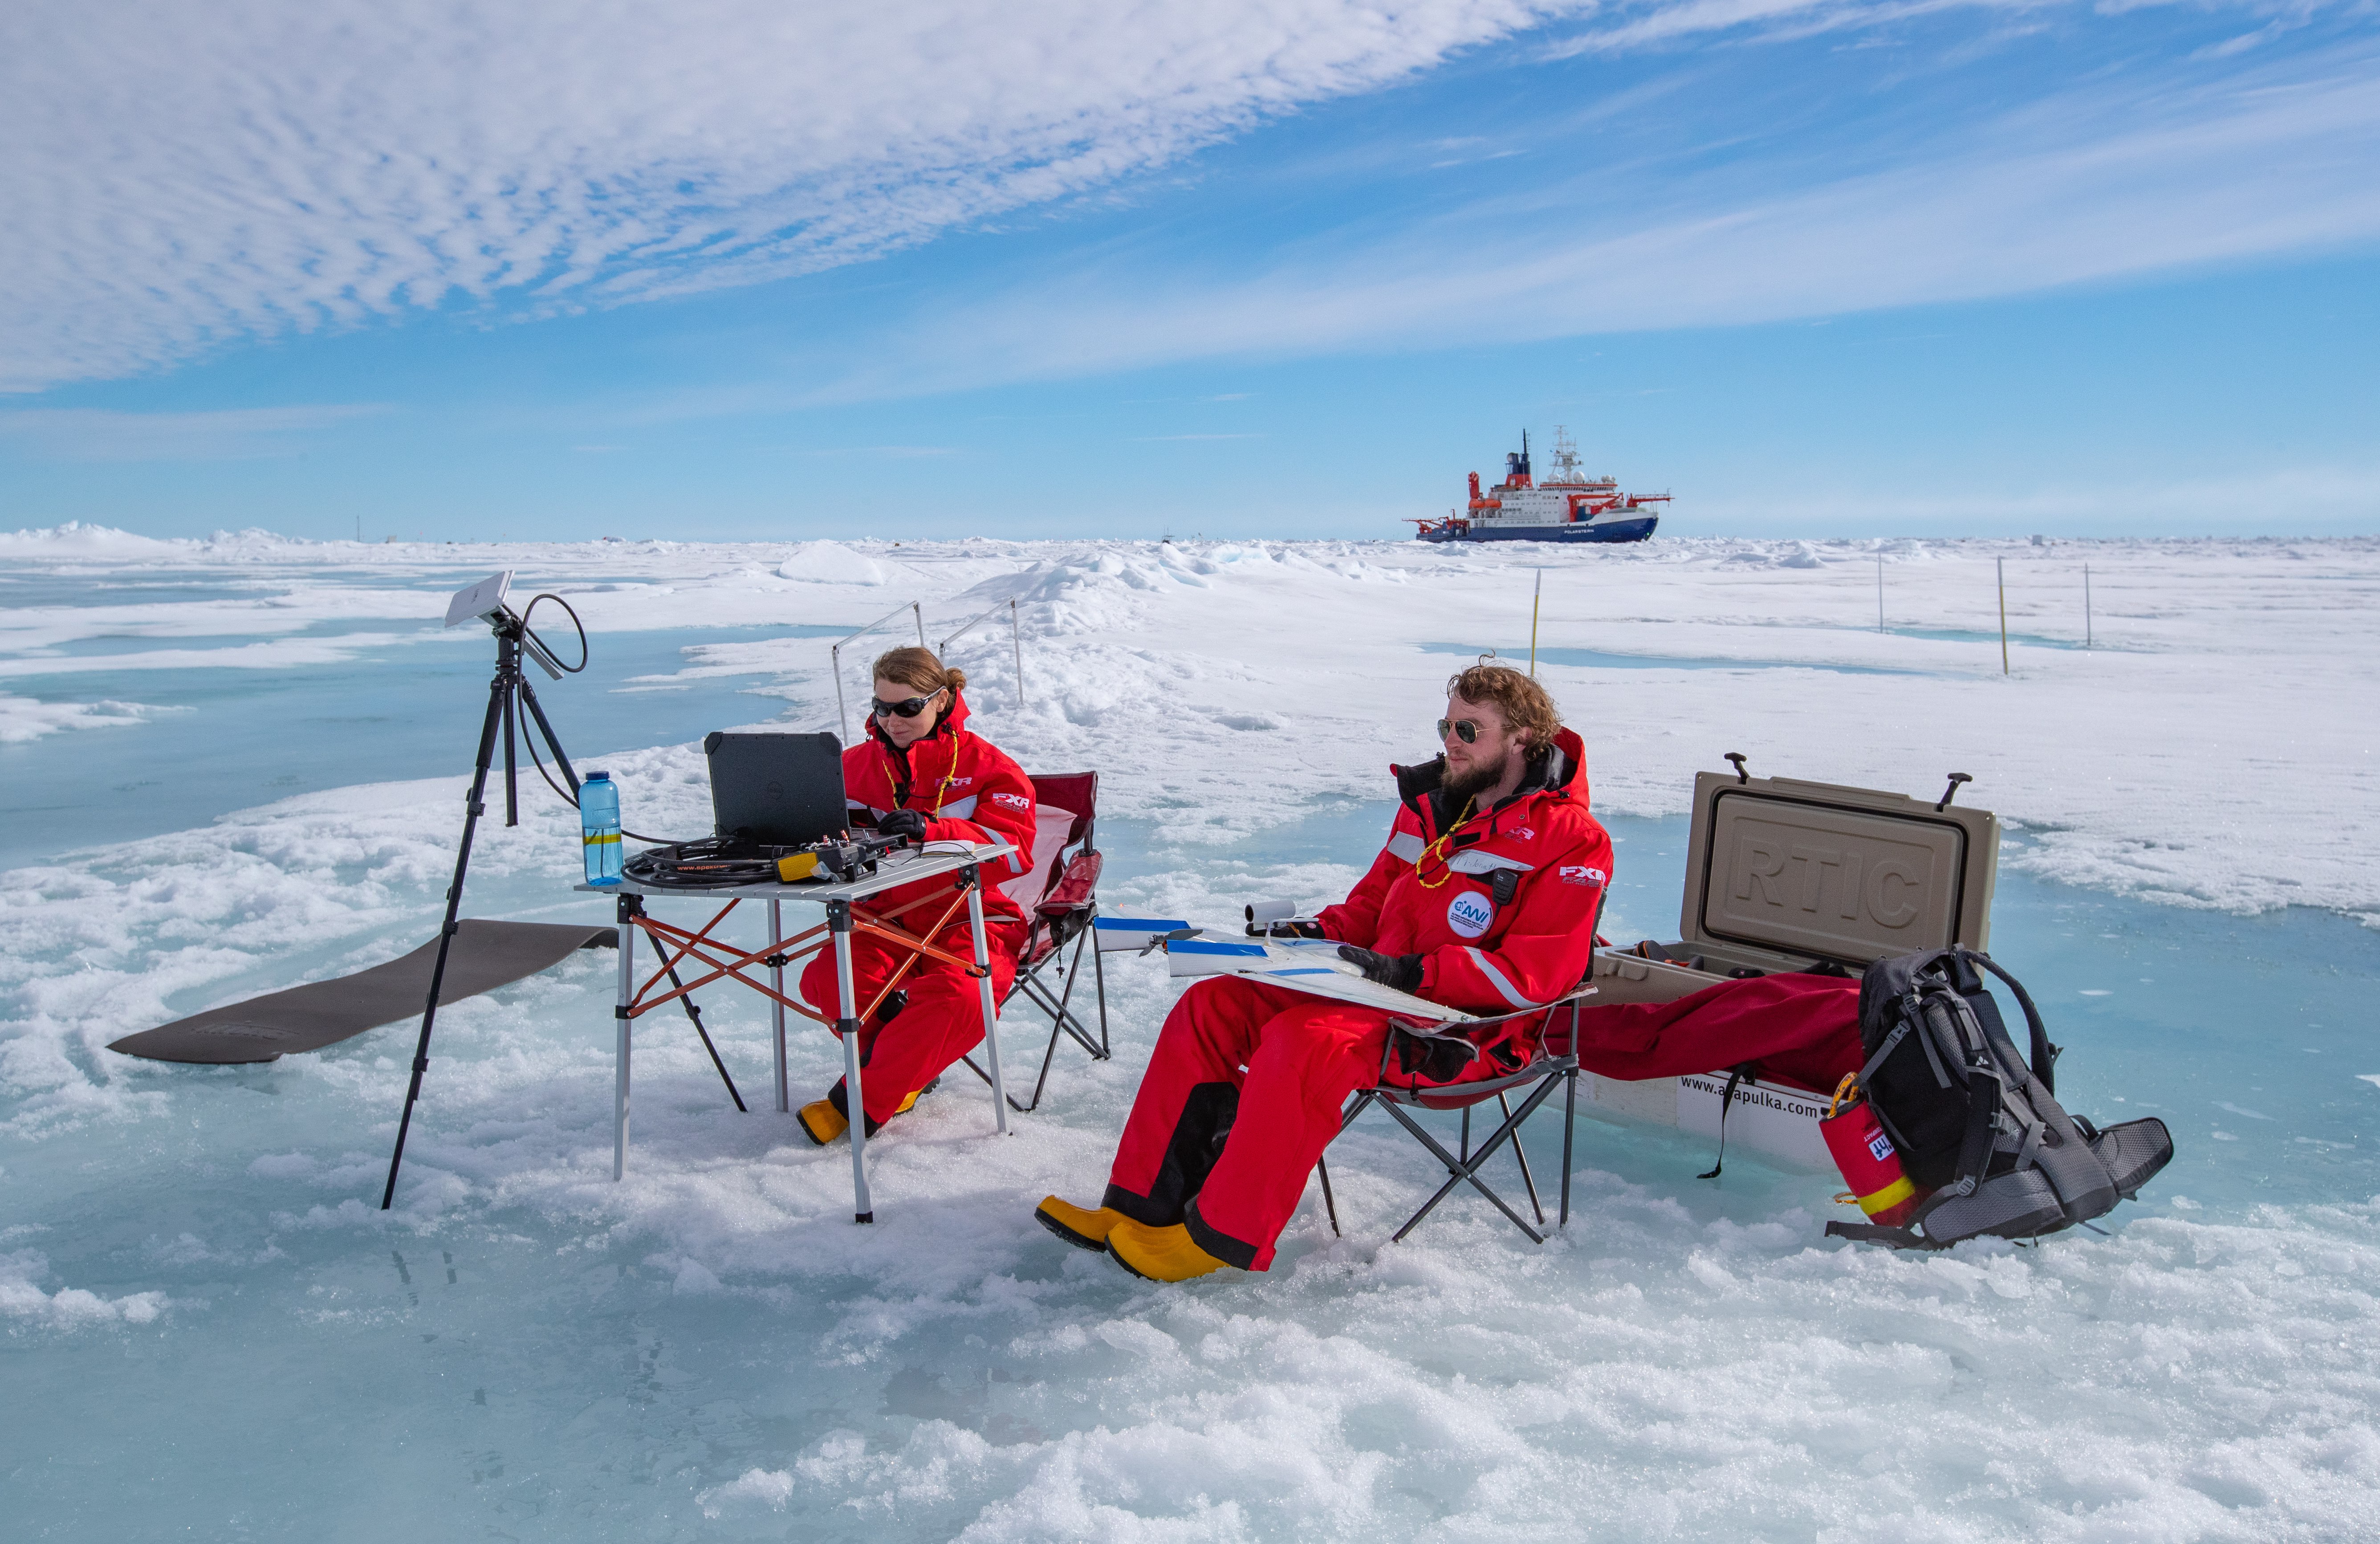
pixel 1309 965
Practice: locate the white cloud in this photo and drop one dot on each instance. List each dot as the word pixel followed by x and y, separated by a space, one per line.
pixel 177 174
pixel 232 434
pixel 1635 24
pixel 2099 186
pixel 2297 501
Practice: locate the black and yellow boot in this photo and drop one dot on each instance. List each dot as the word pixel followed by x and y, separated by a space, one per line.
pixel 1160 1254
pixel 822 1121
pixel 1079 1226
pixel 826 1119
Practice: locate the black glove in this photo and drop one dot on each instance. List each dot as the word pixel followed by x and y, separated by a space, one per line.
pixel 1400 971
pixel 1286 928
pixel 1435 1058
pixel 910 823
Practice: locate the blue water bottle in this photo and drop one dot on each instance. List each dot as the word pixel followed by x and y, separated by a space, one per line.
pixel 599 814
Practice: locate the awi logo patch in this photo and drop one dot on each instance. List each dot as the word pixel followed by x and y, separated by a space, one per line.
pixel 1469 913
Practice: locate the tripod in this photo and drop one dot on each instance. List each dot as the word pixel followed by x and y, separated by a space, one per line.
pixel 508 693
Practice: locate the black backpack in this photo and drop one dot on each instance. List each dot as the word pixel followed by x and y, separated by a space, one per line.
pixel 1974 1121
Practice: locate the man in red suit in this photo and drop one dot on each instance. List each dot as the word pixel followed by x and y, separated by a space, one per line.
pixel 1483 899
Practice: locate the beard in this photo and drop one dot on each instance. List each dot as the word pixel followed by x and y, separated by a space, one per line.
pixel 1461 786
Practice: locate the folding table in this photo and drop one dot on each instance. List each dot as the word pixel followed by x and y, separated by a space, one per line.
pixel 674 945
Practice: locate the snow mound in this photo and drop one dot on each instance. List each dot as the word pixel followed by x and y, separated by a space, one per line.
pixel 830 562
pixel 22 1300
pixel 26 718
pixel 76 540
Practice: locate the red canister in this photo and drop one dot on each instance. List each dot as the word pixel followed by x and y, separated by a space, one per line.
pixel 1866 1158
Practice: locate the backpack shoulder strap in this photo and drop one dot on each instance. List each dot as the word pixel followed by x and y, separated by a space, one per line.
pixel 2041 1064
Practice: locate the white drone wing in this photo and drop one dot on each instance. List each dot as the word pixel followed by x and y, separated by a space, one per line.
pixel 1307 965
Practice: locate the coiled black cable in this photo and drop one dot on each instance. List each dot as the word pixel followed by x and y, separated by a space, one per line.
pixel 699 866
pixel 531 609
pixel 570 795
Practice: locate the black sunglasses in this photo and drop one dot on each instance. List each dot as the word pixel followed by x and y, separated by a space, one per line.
pixel 1466 730
pixel 909 709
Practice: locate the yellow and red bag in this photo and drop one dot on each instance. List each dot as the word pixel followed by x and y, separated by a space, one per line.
pixel 1866 1158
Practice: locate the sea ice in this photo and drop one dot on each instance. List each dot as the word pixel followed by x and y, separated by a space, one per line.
pixel 198 1292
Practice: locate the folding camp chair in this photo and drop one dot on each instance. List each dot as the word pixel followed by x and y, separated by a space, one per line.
pixel 1059 894
pixel 1555 1061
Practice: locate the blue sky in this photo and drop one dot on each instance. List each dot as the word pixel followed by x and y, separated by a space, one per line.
pixel 1815 269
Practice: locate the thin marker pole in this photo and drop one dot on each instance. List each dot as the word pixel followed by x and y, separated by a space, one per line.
pixel 1016 641
pixel 1879 593
pixel 2086 606
pixel 2001 564
pixel 1534 600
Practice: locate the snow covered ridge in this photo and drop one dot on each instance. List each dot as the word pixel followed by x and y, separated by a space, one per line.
pixel 2205 750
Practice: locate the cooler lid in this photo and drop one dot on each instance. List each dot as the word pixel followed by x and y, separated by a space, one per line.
pixel 1817 870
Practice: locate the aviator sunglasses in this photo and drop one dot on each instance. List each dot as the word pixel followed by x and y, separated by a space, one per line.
pixel 1464 729
pixel 908 709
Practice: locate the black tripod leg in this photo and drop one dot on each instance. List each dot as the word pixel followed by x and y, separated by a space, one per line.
pixel 552 741
pixel 512 780
pixel 499 704
pixel 696 1013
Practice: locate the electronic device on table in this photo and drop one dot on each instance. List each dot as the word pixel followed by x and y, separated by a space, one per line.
pixel 779 813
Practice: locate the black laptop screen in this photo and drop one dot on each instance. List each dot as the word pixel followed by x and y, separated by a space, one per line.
pixel 776 790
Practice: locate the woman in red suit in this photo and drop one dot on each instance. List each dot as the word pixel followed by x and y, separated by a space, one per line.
pixel 922 774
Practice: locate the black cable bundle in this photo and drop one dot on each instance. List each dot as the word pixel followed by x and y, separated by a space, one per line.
pixel 703 864
pixel 715 861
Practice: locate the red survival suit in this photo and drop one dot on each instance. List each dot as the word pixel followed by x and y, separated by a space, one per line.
pixel 971 792
pixel 1247 1084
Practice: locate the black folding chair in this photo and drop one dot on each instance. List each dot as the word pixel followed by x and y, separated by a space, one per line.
pixel 1059 894
pixel 1555 1064
pixel 1554 1060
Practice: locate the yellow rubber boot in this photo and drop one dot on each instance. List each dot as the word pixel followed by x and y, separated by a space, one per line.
pixel 1082 1228
pixel 1159 1254
pixel 822 1122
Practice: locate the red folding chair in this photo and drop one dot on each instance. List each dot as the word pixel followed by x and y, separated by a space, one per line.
pixel 1059 893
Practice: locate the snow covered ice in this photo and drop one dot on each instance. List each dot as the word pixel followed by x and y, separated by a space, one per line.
pixel 212 1332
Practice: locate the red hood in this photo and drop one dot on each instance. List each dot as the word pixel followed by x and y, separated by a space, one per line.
pixel 1565 776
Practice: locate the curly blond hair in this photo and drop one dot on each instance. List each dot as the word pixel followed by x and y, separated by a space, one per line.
pixel 1525 704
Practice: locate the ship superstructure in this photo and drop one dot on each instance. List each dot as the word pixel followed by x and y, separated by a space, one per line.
pixel 1569 505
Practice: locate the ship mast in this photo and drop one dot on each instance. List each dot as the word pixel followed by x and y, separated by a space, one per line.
pixel 1565 457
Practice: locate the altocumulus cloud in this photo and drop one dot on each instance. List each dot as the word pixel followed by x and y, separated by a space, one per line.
pixel 182 175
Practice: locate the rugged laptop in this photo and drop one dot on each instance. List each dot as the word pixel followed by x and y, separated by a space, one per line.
pixel 776 790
